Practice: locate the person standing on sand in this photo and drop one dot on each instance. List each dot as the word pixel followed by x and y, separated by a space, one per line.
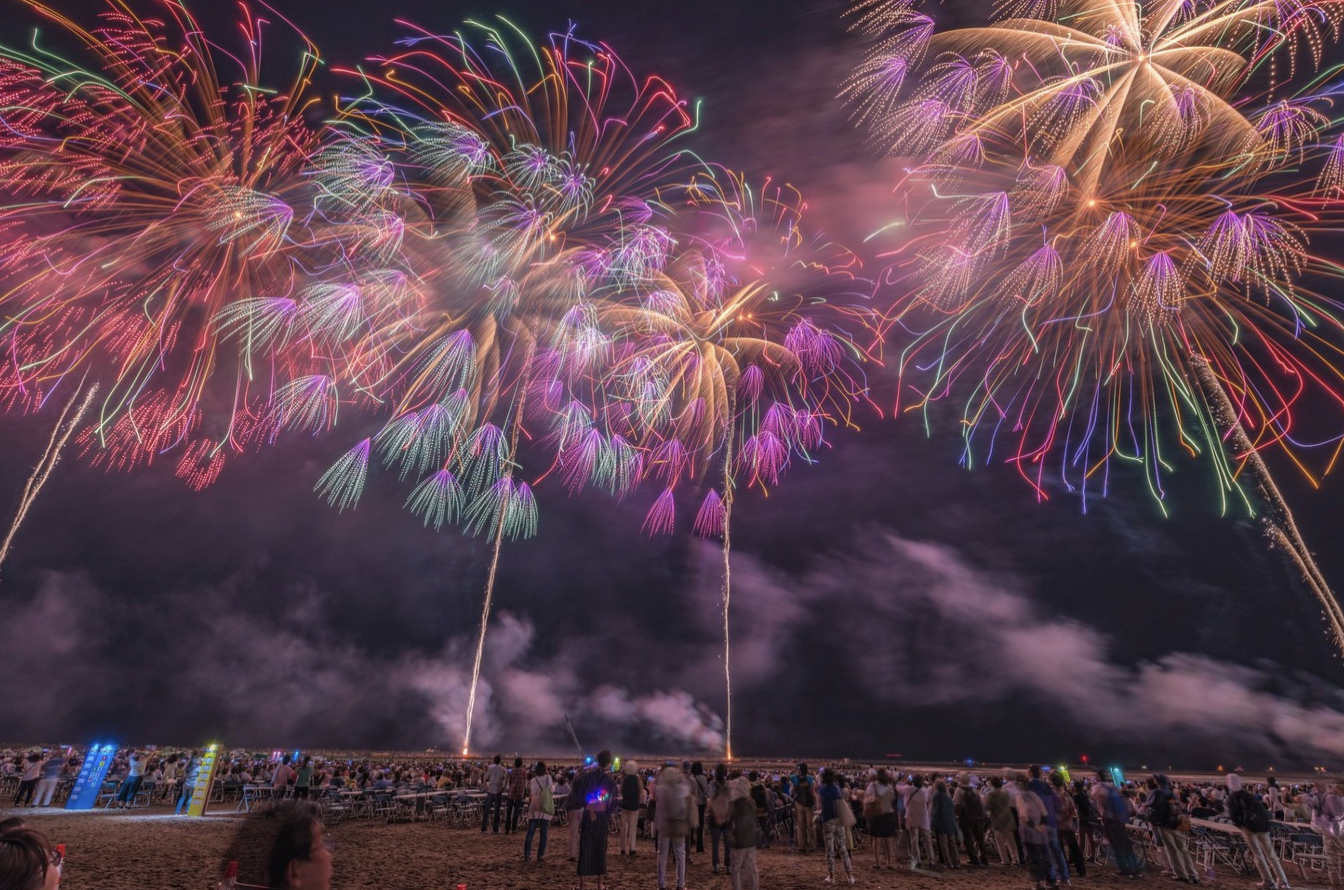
pixel 718 812
pixel 943 821
pixel 495 775
pixel 1251 815
pixel 303 778
pixel 46 785
pixel 518 777
pixel 135 775
pixel 189 775
pixel 600 791
pixel 632 798
pixel 832 829
pixel 169 778
pixel 283 776
pixel 574 804
pixel 1110 805
pixel 879 807
pixel 917 823
pixel 674 810
pixel 700 789
pixel 741 834
pixel 970 809
pixel 804 806
pixel 538 820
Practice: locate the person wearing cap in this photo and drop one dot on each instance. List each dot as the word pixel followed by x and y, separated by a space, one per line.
pixel 1251 815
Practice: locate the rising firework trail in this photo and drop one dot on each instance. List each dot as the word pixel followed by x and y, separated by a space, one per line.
pixel 66 424
pixel 1280 525
pixel 731 349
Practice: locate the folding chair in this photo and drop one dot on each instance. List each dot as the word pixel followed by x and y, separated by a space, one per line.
pixel 144 794
pixel 1308 851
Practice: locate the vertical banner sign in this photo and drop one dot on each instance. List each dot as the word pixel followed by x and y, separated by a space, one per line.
pixel 89 782
pixel 205 779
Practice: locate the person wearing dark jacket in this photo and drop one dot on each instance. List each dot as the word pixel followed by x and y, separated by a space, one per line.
pixel 943 819
pixel 742 834
pixel 1053 846
pixel 971 817
pixel 1250 814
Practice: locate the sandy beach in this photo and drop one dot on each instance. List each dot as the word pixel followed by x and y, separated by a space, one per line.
pixel 151 850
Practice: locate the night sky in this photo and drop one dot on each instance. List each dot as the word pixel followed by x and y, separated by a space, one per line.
pixel 885 600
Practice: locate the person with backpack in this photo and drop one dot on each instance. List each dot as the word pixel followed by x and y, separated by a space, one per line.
pixel 999 808
pixel 632 799
pixel 741 834
pixel 718 813
pixel 540 810
pixel 970 810
pixel 1163 813
pixel 804 805
pixel 1250 814
pixel 674 814
pixel 1108 801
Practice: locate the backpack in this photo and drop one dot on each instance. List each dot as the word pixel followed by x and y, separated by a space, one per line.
pixel 1173 812
pixel 743 827
pixel 1254 813
pixel 1116 809
pixel 546 798
pixel 972 807
pixel 758 797
pixel 721 806
pixel 803 796
pixel 674 804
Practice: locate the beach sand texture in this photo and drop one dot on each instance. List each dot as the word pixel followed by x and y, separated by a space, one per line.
pixel 149 850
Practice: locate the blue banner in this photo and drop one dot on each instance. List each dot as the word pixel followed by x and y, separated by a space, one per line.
pixel 97 761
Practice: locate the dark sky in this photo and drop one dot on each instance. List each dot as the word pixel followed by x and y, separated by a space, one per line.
pixel 884 601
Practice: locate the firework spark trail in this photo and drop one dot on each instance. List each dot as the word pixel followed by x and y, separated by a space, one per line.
pixel 1281 525
pixel 727 598
pixel 60 434
pixel 502 520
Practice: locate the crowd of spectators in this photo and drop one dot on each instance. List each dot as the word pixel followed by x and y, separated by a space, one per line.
pixel 1040 819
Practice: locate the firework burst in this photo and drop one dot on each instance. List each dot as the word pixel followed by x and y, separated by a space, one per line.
pixel 1108 214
